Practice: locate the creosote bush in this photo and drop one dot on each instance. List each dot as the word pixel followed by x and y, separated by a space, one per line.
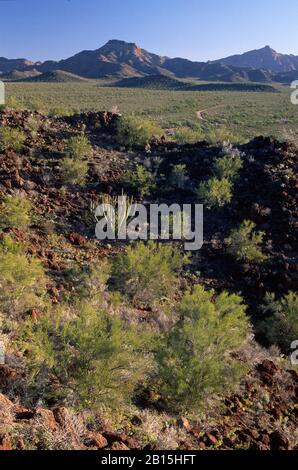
pixel 11 138
pixel 74 171
pixel 96 358
pixel 78 147
pixel 281 324
pixel 15 211
pixel 74 167
pixel 195 357
pixel 228 166
pixel 222 135
pixel 148 272
pixel 245 244
pixel 139 182
pixel 215 192
pixel 178 177
pixel 132 131
pixel 22 279
pixel 186 135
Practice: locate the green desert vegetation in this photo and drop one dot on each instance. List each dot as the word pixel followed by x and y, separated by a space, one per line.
pixel 132 130
pixel 88 351
pixel 245 243
pixel 74 166
pixel 280 325
pixel 148 272
pixel 195 357
pixel 11 138
pixel 15 211
pixel 245 114
pixel 22 278
pixel 139 182
pixel 215 193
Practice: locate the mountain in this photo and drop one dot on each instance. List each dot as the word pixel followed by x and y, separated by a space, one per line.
pixel 11 65
pixel 265 58
pixel 120 59
pixel 116 58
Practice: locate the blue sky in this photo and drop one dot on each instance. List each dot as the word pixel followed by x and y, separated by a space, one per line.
pixel 196 29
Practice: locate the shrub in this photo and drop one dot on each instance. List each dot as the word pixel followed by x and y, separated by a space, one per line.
pixel 195 358
pixel 74 171
pixel 33 124
pixel 228 167
pixel 244 243
pixel 281 325
pixel 22 279
pixel 132 131
pixel 222 135
pixel 178 177
pixel 11 139
pixel 87 357
pixel 148 272
pixel 140 181
pixel 186 135
pixel 78 147
pixel 215 192
pixel 15 212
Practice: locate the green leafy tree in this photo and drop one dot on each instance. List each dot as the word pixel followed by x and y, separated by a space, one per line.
pixel 245 244
pixel 148 272
pixel 195 358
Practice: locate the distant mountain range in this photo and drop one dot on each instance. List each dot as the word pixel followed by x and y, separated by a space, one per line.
pixel 119 59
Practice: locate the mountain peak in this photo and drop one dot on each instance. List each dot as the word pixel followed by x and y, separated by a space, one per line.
pixel 117 43
pixel 264 58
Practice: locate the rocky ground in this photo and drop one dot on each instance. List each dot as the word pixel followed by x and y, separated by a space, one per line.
pixel 263 413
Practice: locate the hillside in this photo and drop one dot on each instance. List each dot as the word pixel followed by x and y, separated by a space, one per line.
pixel 161 82
pixel 81 317
pixel 152 82
pixel 56 76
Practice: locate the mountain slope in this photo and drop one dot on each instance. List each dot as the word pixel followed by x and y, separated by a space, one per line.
pixel 116 58
pixel 265 58
pixel 11 65
pixel 57 76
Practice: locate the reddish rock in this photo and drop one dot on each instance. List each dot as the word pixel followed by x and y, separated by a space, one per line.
pixel 61 416
pixel 5 403
pixel 278 441
pixel 211 439
pixel 77 239
pixel 48 418
pixel 119 446
pixel 94 439
pixel 137 421
pixel 183 423
pixel 5 443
